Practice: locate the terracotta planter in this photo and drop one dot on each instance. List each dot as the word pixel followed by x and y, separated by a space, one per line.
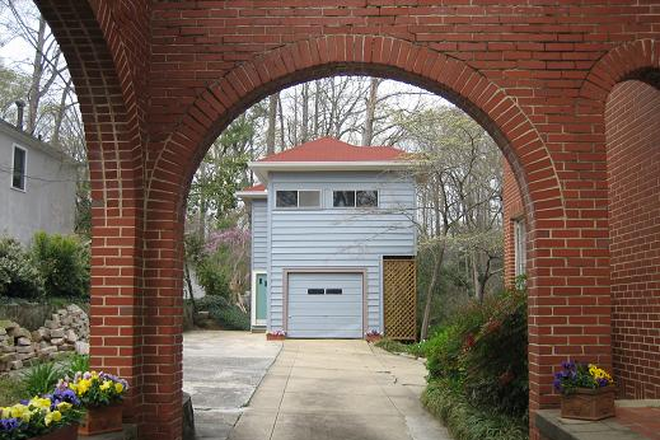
pixel 101 420
pixel 271 337
pixel 69 432
pixel 588 404
pixel 373 338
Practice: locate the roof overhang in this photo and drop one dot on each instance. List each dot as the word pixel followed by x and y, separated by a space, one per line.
pixel 263 169
pixel 248 195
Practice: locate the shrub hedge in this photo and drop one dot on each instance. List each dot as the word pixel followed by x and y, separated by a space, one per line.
pixel 53 266
pixel 226 315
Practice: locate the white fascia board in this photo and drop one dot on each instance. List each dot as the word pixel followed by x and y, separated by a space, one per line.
pixel 252 194
pixel 261 169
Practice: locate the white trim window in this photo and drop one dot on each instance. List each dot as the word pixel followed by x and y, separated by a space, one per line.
pixel 520 246
pixel 355 199
pixel 19 168
pixel 307 199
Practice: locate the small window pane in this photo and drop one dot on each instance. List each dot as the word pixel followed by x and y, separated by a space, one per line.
pixel 315 291
pixel 18 176
pixel 333 291
pixel 286 199
pixel 342 199
pixel 309 199
pixel 367 198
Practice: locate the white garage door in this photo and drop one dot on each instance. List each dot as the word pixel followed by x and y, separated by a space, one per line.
pixel 325 305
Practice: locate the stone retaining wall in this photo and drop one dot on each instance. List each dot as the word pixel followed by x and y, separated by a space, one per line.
pixel 67 330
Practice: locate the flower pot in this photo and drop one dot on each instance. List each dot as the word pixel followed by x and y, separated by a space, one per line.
pixel 101 420
pixel 69 432
pixel 373 338
pixel 273 337
pixel 589 404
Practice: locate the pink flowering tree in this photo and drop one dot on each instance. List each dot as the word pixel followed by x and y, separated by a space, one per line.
pixel 230 249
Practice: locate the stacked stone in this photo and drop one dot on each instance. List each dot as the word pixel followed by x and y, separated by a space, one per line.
pixel 67 330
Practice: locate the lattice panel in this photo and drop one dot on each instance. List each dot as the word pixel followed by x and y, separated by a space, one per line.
pixel 400 287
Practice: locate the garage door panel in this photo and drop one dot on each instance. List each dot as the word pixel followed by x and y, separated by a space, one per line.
pixel 337 315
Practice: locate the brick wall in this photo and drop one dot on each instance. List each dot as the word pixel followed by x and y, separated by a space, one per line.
pixel 513 209
pixel 633 153
pixel 159 80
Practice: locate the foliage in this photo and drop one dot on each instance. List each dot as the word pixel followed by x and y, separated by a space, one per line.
pixel 63 262
pixel 580 375
pixel 39 415
pixel 19 276
pixel 446 400
pixel 226 315
pixel 212 278
pixel 392 346
pixel 11 390
pixel 496 370
pixel 77 363
pixel 96 389
pixel 41 378
pixel 484 349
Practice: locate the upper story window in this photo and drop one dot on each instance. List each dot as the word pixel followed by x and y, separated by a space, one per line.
pixel 19 167
pixel 355 199
pixel 298 199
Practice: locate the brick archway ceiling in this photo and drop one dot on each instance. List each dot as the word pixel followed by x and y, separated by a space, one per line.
pixel 380 56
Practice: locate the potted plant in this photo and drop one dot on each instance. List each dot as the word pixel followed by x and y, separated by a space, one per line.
pixel 52 417
pixel 277 335
pixel 373 336
pixel 587 390
pixel 101 394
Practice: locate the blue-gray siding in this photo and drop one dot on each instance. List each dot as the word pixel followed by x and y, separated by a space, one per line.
pixel 334 238
pixel 259 235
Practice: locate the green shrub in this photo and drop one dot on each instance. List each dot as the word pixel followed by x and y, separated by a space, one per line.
pixel 496 373
pixel 212 277
pixel 484 349
pixel 19 276
pixel 445 399
pixel 392 346
pixel 41 379
pixel 226 315
pixel 63 262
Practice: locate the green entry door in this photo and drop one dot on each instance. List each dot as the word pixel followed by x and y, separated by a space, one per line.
pixel 261 303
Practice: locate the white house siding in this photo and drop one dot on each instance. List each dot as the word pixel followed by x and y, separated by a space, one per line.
pixel 339 237
pixel 259 235
pixel 49 200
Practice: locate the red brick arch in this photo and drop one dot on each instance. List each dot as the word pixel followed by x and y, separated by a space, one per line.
pixel 382 56
pixel 632 60
pixel 104 79
pixel 221 102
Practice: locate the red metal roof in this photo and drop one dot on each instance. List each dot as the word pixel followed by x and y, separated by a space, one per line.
pixel 260 187
pixel 333 150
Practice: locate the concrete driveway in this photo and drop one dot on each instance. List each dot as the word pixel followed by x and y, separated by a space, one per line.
pixel 338 390
pixel 221 371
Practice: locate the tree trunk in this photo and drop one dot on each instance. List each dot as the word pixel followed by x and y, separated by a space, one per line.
pixel 186 270
pixel 438 255
pixel 34 94
pixel 272 121
pixel 304 133
pixel 368 130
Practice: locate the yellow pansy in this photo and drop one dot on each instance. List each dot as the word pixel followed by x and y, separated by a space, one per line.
pixel 64 406
pixel 119 387
pixel 51 417
pixel 5 413
pixel 106 385
pixel 83 386
pixel 21 412
pixel 41 403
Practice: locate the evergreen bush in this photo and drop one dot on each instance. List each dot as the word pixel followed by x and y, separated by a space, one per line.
pixel 63 262
pixel 19 276
pixel 226 315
